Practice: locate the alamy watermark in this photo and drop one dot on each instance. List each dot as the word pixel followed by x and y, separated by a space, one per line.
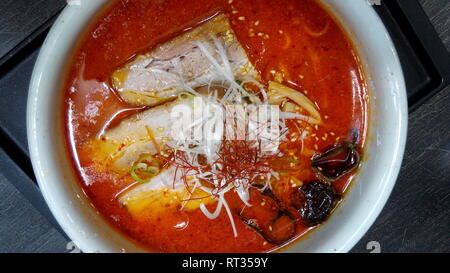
pixel 72 247
pixel 374 246
pixel 205 122
pixel 74 2
pixel 374 2
pixel 78 2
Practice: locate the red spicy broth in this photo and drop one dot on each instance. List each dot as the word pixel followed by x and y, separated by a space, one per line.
pixel 299 38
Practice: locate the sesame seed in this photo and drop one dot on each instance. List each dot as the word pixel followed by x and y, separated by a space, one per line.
pixel 316 147
pixel 280 31
pixel 260 34
pixel 279 77
pixel 230 2
pixel 256 23
pixel 234 11
pixel 241 18
pixel 301 76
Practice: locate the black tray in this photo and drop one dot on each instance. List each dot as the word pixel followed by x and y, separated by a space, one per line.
pixel 423 57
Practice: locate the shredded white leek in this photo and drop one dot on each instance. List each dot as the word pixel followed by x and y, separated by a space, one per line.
pixel 204 147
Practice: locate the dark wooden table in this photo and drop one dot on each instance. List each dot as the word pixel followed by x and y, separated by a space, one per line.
pixel 415 219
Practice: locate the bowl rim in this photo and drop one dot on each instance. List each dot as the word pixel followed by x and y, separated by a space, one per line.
pixel 34 133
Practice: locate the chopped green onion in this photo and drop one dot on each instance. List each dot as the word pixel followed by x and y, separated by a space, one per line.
pixel 136 177
pixel 141 167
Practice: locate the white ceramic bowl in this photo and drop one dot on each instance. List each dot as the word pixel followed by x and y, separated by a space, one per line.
pixel 363 203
